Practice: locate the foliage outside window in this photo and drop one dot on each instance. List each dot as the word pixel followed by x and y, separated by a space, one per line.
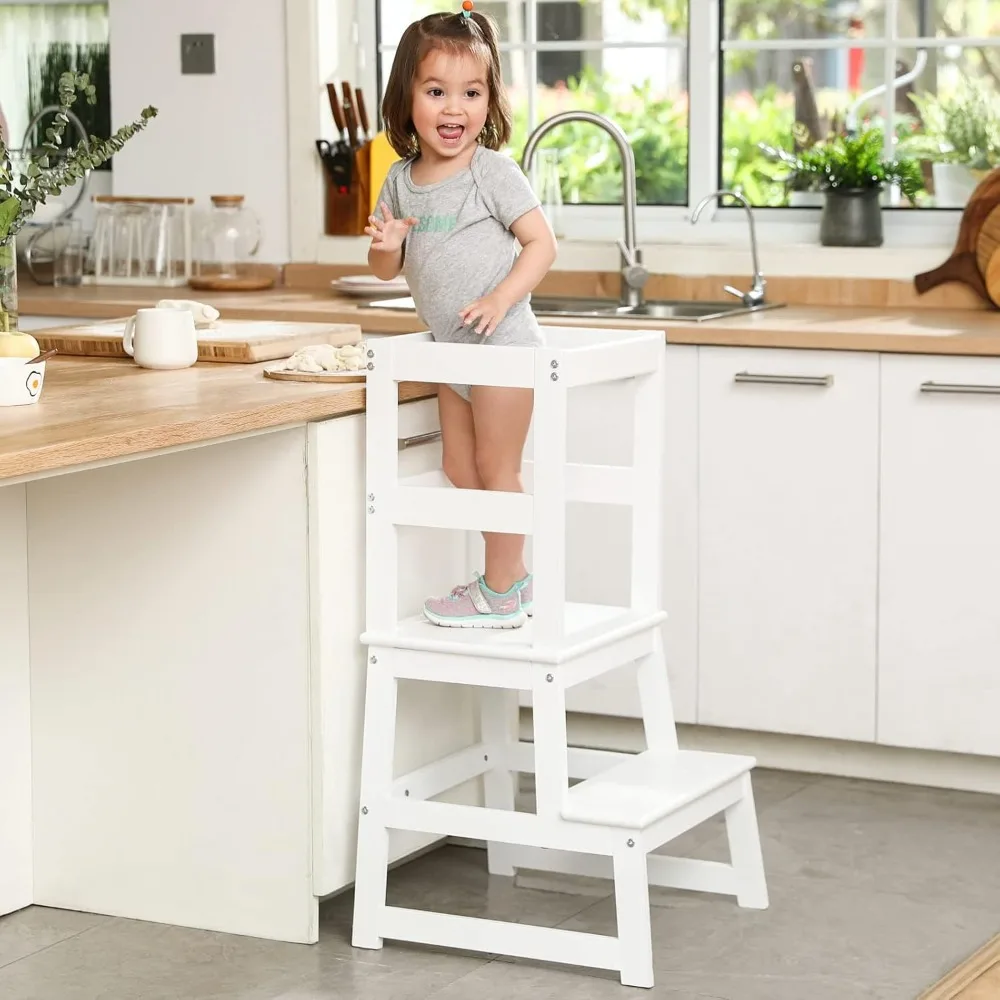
pixel 795 74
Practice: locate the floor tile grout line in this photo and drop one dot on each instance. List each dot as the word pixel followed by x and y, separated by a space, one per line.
pixel 55 944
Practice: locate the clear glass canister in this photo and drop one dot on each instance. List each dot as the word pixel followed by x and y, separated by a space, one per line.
pixel 228 237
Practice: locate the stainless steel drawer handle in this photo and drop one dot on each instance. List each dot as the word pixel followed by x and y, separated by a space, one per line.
pixel 820 380
pixel 980 390
pixel 415 439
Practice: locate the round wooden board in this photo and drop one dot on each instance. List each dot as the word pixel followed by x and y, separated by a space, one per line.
pixel 330 378
pixel 993 279
pixel 231 284
pixel 988 240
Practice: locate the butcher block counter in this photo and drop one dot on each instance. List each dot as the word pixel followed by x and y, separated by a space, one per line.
pixel 860 328
pixel 95 410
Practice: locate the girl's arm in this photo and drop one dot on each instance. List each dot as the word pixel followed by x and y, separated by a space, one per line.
pixel 538 251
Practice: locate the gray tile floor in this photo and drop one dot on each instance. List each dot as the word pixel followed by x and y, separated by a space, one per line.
pixel 876 891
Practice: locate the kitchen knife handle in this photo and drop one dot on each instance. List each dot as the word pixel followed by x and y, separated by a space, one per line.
pixel 349 114
pixel 335 109
pixel 362 112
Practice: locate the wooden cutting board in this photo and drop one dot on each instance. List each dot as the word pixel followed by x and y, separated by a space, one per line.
pixel 234 341
pixel 962 265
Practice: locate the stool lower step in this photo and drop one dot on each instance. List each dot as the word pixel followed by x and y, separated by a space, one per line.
pixel 653 784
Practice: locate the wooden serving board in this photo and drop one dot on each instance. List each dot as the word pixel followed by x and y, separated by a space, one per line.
pixel 233 341
pixel 962 265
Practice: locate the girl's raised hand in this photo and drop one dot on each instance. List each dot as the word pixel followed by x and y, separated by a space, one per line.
pixel 388 233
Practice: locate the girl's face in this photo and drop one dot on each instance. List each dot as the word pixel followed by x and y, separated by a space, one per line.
pixel 450 101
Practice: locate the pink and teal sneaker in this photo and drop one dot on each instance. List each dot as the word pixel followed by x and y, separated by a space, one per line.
pixel 474 605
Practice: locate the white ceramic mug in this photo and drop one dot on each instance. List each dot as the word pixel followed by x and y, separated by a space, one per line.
pixel 161 338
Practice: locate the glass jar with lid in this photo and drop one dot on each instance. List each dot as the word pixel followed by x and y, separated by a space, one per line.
pixel 227 240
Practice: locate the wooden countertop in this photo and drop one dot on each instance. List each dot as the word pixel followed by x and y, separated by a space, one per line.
pixel 918 331
pixel 92 410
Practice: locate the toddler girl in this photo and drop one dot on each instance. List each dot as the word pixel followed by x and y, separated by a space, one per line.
pixel 452 211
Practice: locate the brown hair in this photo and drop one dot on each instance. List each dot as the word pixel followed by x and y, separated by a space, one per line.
pixel 476 35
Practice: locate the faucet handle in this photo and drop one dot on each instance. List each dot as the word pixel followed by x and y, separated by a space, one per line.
pixel 634 273
pixel 734 292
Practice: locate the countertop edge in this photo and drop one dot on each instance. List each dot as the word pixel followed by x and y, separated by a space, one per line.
pixel 64 456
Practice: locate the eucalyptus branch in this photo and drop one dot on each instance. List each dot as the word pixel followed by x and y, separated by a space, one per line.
pixel 54 168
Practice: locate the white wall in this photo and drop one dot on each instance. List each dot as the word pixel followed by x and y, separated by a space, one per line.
pixel 218 134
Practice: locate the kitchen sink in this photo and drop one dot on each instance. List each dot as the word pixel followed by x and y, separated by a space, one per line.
pixel 676 310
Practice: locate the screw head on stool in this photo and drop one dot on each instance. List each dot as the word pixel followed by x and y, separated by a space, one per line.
pixel 364 810
pixel 630 842
pixel 373 659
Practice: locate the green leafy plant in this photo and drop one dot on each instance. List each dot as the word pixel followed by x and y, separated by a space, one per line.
pixel 961 128
pixel 46 69
pixel 853 163
pixel 51 168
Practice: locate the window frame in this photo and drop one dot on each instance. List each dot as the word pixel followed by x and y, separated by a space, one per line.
pixel 355 54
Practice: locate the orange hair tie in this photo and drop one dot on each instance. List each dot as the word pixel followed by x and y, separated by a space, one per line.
pixel 467 6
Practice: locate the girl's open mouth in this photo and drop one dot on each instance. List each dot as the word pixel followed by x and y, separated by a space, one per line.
pixel 450 133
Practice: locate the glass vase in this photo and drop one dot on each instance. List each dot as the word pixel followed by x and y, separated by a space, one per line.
pixel 8 286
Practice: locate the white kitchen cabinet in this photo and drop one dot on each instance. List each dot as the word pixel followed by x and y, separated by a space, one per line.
pixel 15 705
pixel 788 491
pixel 939 593
pixel 598 571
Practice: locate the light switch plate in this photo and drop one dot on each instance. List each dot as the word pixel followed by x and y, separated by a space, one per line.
pixel 197 53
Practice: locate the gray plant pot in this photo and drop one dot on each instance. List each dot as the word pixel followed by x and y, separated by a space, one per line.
pixel 852 218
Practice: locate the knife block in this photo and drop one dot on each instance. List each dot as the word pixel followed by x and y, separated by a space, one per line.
pixel 347 212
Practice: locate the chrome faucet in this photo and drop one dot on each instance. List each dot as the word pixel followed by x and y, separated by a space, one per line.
pixel 755 296
pixel 633 274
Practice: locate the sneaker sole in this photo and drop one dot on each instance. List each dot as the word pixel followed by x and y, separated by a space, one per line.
pixel 480 621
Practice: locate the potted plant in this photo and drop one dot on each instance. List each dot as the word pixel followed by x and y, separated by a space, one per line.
pixel 961 138
pixel 803 182
pixel 854 173
pixel 41 173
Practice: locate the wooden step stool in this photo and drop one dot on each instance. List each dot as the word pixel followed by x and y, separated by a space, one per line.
pixel 627 805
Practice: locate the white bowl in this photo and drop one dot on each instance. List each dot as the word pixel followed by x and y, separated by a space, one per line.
pixel 20 383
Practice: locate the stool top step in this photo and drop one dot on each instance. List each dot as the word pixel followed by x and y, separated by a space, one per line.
pixel 588 626
pixel 637 793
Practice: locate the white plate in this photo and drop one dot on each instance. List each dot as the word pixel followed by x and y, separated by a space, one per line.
pixel 365 286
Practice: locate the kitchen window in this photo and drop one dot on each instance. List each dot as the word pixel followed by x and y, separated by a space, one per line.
pixel 38 42
pixel 702 86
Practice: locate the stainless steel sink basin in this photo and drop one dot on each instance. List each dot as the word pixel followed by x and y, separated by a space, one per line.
pixel 677 311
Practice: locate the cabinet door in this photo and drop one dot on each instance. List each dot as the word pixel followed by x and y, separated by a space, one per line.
pixel 599 536
pixel 15 705
pixel 788 480
pixel 939 592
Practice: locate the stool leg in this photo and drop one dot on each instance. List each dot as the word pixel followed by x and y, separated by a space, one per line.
pixel 632 908
pixel 376 788
pixel 654 698
pixel 744 849
pixel 498 714
pixel 548 712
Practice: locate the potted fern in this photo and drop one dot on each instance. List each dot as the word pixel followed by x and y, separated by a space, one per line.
pixel 854 174
pixel 961 139
pixel 44 172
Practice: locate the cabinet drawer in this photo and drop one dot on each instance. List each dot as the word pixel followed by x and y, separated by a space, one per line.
pixel 788 487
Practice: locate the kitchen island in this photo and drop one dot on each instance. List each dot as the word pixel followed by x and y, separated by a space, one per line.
pixel 181 682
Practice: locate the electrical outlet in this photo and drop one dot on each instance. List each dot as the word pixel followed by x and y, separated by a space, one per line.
pixel 197 53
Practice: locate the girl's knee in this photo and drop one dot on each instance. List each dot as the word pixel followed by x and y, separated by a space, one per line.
pixel 495 472
pixel 460 471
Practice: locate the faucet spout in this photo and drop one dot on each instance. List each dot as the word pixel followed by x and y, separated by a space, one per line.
pixel 755 296
pixel 634 275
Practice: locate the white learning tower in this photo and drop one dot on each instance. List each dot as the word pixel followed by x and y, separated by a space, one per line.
pixel 627 805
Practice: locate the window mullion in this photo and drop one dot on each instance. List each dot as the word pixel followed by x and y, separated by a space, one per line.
pixel 703 99
pixel 531 59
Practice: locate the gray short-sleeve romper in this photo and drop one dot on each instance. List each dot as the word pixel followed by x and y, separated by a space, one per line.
pixel 462 247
